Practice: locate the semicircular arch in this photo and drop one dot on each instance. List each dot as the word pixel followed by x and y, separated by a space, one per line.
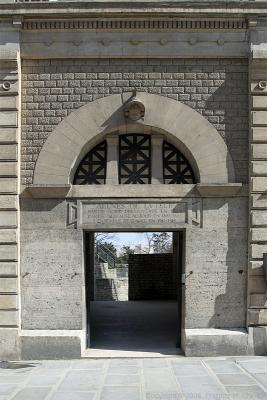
pixel 197 139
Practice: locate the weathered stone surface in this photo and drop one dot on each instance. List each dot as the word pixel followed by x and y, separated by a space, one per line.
pixel 215 342
pixel 8 118
pixel 257 284
pixel 8 318
pixel 259 134
pixel 8 236
pixel 259 101
pixel 259 200
pixel 8 185
pixel 259 218
pixel 8 252
pixel 257 317
pixel 259 118
pixel 8 285
pixel 8 169
pixel 259 184
pixel 259 151
pixel 8 152
pixel 258 300
pixel 9 344
pixel 8 102
pixel 8 301
pixel 259 234
pixel 259 167
pixel 8 202
pixel 8 135
pixel 8 268
pixel 50 348
pixel 257 250
pixel 8 218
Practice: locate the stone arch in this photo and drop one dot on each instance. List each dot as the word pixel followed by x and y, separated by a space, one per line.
pixel 84 127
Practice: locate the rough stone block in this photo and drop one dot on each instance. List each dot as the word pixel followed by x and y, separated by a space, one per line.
pixel 259 235
pixel 259 101
pixel 215 342
pixel 9 344
pixel 8 301
pixel 258 340
pixel 8 202
pixel 8 218
pixel 8 118
pixel 259 200
pixel 259 217
pixel 258 300
pixel 8 169
pixel 257 284
pixel 256 268
pixel 8 102
pixel 50 347
pixel 8 152
pixel 8 285
pixel 8 268
pixel 257 250
pixel 8 318
pixel 259 151
pixel 259 167
pixel 8 236
pixel 257 317
pixel 8 135
pixel 8 185
pixel 259 118
pixel 259 184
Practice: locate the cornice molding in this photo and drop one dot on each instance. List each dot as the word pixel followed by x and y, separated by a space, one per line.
pixel 133 24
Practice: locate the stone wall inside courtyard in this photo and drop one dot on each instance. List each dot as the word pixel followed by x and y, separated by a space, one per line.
pixel 216 88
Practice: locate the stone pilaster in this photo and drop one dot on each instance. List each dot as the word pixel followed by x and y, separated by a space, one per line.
pixel 9 189
pixel 157 167
pixel 112 177
pixel 257 286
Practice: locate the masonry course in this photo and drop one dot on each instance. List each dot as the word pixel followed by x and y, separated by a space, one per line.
pixel 52 89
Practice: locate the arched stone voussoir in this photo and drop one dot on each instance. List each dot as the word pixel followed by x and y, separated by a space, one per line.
pixel 84 127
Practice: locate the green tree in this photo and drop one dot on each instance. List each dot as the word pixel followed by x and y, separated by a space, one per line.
pixel 125 251
pixel 162 242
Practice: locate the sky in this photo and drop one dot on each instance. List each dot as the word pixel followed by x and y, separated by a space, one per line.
pixel 129 238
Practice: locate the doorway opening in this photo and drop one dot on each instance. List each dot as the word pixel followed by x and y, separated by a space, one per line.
pixel 133 291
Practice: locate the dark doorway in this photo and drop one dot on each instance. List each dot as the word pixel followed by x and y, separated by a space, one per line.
pixel 134 299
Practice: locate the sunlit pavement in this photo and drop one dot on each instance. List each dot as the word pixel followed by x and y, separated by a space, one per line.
pixel 135 379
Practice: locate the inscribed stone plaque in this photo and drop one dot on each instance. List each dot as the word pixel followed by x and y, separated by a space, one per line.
pixel 108 215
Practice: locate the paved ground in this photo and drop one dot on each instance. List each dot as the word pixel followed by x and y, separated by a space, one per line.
pixel 134 379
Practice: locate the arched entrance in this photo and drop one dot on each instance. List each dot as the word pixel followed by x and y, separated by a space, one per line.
pixel 168 171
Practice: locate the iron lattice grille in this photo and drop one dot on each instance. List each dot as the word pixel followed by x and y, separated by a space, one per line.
pixel 176 168
pixel 134 159
pixel 92 169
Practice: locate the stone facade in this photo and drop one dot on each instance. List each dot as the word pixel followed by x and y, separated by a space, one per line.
pixel 217 89
pixel 65 77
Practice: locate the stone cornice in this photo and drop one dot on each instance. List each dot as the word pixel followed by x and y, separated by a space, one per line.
pixel 135 24
pixel 147 7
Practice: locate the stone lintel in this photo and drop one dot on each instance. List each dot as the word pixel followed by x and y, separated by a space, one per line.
pixel 146 191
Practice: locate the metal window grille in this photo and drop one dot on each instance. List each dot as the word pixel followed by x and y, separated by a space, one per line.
pixel 134 159
pixel 176 168
pixel 92 169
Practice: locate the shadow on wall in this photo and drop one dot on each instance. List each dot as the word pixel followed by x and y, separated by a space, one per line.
pixel 227 110
pixel 230 307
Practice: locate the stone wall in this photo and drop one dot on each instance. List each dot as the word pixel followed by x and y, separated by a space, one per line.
pixel 216 88
pixel 151 277
pixel 110 284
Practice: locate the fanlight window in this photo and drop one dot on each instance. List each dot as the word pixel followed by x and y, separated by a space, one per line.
pixel 134 159
pixel 176 168
pixel 134 163
pixel 93 167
